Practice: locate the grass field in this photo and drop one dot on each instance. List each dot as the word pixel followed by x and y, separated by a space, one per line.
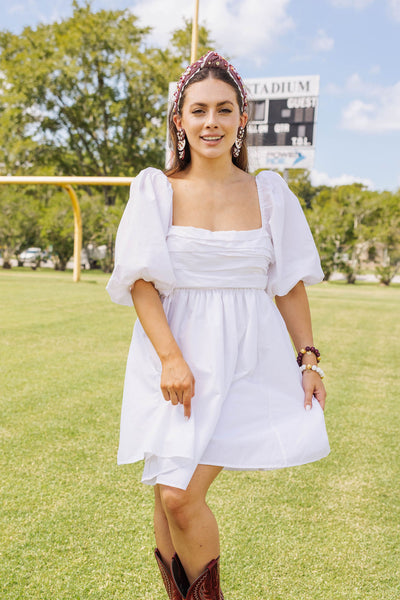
pixel 73 525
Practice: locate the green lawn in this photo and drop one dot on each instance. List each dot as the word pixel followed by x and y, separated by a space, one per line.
pixel 73 525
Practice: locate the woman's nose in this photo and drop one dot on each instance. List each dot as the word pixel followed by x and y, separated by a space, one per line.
pixel 211 120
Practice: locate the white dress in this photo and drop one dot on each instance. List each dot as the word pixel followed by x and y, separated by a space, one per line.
pixel 217 290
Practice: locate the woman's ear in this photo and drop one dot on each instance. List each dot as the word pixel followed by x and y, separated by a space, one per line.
pixel 177 119
pixel 244 117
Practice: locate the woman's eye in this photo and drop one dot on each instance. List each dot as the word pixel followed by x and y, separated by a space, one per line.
pixel 226 110
pixel 197 111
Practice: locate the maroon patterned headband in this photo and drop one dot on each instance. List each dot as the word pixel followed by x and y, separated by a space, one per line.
pixel 212 60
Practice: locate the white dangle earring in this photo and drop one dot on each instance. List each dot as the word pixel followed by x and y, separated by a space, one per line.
pixel 181 143
pixel 238 142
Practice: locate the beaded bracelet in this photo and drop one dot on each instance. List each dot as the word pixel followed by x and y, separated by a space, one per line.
pixel 312 368
pixel 308 350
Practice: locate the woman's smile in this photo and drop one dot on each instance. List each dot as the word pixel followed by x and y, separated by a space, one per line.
pixel 211 138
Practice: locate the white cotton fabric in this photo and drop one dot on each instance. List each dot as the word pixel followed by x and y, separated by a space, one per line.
pixel 217 288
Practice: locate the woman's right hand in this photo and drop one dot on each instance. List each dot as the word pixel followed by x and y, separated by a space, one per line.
pixel 177 382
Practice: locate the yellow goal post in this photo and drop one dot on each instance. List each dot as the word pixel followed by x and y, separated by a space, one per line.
pixel 67 183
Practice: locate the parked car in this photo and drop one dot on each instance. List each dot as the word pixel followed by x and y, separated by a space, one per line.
pixel 91 256
pixel 31 257
pixel 85 262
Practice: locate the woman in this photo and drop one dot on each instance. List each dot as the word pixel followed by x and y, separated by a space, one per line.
pixel 212 381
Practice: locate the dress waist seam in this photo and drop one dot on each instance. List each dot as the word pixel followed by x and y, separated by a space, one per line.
pixel 218 288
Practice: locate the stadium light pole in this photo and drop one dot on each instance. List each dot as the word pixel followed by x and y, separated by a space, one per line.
pixel 195 32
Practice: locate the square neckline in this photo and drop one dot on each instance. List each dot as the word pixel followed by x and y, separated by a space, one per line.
pixel 192 227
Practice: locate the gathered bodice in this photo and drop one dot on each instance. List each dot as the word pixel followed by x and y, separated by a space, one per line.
pixel 149 246
pixel 219 259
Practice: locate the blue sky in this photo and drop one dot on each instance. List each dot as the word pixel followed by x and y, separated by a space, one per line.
pixel 354 45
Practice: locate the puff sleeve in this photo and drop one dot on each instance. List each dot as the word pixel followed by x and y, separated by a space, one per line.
pixel 295 254
pixel 140 249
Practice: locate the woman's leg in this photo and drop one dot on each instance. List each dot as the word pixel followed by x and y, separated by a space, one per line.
pixel 161 529
pixel 192 526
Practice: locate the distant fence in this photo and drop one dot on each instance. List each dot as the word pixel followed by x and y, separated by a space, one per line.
pixel 66 183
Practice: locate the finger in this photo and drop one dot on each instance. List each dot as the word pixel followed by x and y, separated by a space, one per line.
pixel 308 395
pixel 321 397
pixel 187 404
pixel 165 393
pixel 187 399
pixel 320 394
pixel 174 397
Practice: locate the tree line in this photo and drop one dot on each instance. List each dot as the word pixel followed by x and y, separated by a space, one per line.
pixel 355 229
pixel 88 96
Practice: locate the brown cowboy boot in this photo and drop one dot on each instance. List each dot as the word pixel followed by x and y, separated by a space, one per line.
pixel 172 590
pixel 205 587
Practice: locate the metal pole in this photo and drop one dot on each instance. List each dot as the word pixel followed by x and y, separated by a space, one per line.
pixel 195 32
pixel 77 232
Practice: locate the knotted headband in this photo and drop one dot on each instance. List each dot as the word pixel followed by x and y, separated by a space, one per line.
pixel 212 60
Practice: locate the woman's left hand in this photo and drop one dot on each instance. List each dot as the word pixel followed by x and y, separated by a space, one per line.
pixel 313 386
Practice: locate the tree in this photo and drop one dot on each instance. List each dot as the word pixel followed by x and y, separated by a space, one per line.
pixel 57 229
pixel 99 226
pixel 382 230
pixel 339 220
pixel 324 224
pixel 85 94
pixel 19 221
pixel 351 210
pixel 300 184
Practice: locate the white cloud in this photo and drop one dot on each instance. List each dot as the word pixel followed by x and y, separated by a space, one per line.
pixel 378 111
pixel 356 85
pixel 371 107
pixel 358 4
pixel 358 115
pixel 375 69
pixel 322 42
pixel 320 178
pixel 394 7
pixel 247 28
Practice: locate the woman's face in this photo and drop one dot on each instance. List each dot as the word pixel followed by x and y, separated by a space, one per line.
pixel 211 117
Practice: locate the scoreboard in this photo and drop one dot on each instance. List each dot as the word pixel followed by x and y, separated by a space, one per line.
pixel 282 119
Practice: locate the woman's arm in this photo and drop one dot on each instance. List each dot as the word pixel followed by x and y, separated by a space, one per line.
pixel 295 310
pixel 177 381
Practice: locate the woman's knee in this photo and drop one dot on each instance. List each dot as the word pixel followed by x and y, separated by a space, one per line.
pixel 179 505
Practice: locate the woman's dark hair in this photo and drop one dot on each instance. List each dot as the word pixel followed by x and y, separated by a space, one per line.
pixel 178 164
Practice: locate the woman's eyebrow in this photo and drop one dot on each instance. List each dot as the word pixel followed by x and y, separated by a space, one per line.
pixel 203 104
